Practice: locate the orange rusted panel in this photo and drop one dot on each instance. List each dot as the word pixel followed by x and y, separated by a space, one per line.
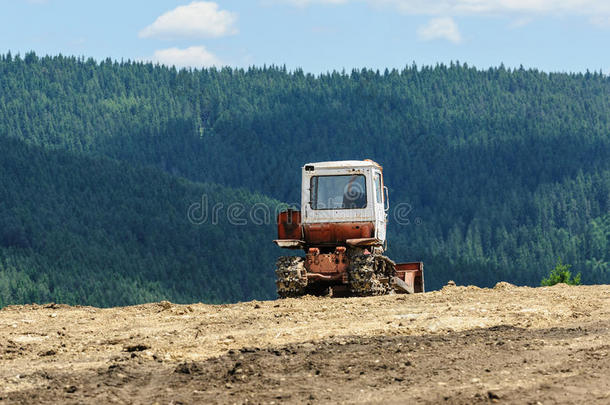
pixel 409 266
pixel 337 233
pixel 289 225
pixel 326 263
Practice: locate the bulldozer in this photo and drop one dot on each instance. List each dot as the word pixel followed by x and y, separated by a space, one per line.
pixel 341 228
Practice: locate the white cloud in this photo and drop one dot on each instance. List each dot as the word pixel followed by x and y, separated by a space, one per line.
pixel 521 22
pixel 601 20
pixel 303 3
pixel 591 8
pixel 200 19
pixel 193 57
pixel 440 28
pixel 468 7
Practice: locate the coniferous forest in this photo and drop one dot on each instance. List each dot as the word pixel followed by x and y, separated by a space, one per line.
pixel 498 173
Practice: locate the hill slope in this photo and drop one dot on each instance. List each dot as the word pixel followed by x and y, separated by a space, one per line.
pixel 95 231
pixel 493 174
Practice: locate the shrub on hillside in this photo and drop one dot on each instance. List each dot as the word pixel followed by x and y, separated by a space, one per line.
pixel 561 274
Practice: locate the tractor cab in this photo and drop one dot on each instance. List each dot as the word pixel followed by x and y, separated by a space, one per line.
pixel 345 192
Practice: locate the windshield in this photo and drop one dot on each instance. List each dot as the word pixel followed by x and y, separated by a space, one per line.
pixel 338 192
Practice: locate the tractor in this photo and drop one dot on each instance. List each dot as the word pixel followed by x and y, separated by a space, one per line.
pixel 341 228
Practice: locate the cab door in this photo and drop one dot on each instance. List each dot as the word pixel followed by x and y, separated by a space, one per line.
pixel 379 206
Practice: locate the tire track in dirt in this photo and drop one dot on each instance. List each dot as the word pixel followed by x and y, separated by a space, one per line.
pixel 503 363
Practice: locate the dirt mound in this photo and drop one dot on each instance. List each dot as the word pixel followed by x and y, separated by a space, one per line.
pixel 459 345
pixel 503 285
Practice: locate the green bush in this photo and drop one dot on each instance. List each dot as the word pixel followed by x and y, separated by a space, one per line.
pixel 561 274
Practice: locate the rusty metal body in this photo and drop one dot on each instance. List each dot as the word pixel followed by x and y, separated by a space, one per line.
pixel 341 229
pixel 412 274
pixel 331 234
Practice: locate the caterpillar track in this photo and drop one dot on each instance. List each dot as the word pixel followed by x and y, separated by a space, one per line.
pixel 290 276
pixel 367 274
pixel 370 275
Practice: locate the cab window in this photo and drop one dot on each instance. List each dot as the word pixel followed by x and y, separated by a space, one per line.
pixel 338 192
pixel 378 187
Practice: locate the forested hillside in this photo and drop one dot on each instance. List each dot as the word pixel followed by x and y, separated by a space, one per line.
pixel 96 231
pixel 505 171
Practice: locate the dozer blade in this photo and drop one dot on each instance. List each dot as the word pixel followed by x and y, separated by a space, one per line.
pixel 412 275
pixel 401 287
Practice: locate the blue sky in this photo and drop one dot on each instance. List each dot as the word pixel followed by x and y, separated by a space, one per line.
pixel 317 35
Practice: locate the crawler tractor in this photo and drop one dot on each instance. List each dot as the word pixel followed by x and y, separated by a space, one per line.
pixel 341 227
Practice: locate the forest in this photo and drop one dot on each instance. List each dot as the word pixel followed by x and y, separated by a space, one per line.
pixel 502 173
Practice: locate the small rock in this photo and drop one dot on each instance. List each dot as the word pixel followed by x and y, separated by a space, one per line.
pixel 493 395
pixel 50 352
pixel 187 368
pixel 136 348
pixel 70 389
pixel 451 283
pixel 165 304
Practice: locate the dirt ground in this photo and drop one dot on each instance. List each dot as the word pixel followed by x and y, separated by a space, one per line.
pixel 460 345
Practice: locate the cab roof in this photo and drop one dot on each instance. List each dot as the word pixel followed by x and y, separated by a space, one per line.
pixel 344 164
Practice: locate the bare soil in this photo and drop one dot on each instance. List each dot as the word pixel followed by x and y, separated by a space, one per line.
pixel 460 345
